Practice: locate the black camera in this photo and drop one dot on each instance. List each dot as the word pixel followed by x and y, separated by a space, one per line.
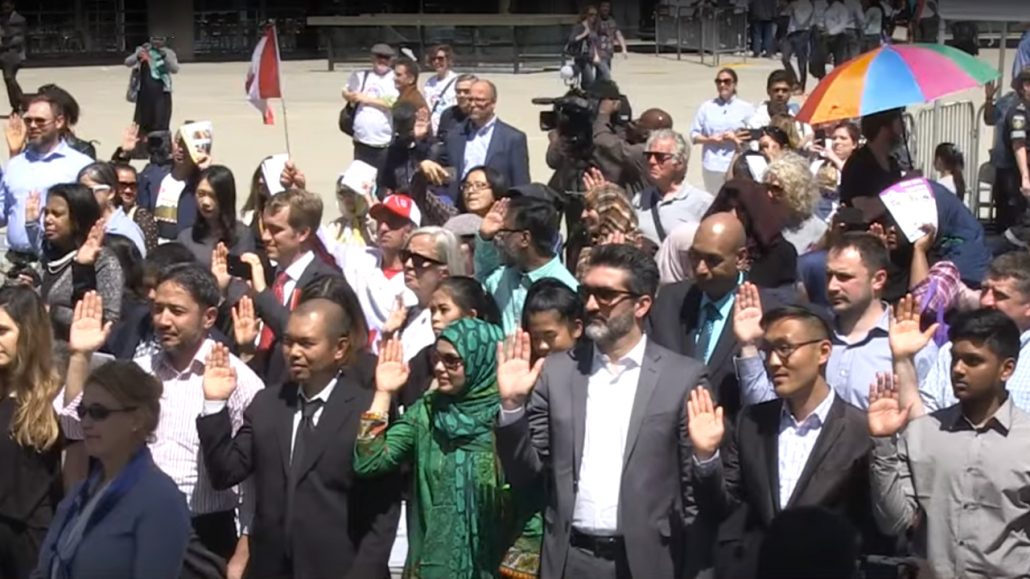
pixel 572 115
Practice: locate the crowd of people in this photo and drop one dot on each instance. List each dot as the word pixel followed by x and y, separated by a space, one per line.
pixel 761 375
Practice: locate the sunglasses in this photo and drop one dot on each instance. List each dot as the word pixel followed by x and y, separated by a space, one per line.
pixel 418 260
pixel 98 412
pixel 438 59
pixel 450 362
pixel 658 156
pixel 605 296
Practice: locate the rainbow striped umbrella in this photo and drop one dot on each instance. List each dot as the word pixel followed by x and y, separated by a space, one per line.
pixel 893 76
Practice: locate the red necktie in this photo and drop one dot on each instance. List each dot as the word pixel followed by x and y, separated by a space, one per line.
pixel 278 288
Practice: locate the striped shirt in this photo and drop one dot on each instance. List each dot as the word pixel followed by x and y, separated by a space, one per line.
pixel 795 444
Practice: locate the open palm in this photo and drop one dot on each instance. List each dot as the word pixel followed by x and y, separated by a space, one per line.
pixel 886 416
pixel 905 337
pixel 391 371
pixel 704 423
pixel 88 332
pixel 516 374
pixel 747 314
pixel 219 377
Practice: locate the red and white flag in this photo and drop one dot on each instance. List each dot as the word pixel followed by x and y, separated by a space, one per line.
pixel 263 76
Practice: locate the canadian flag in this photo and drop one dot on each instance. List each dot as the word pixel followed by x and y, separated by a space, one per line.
pixel 263 76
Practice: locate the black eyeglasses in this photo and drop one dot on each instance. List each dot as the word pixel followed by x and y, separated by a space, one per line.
pixel 784 350
pixel 98 412
pixel 605 296
pixel 418 260
pixel 659 156
pixel 506 231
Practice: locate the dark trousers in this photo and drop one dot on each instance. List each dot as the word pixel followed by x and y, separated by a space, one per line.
pixel 838 44
pixel 217 532
pixel 797 44
pixel 14 92
pixel 19 549
pixel 583 564
pixel 817 57
pixel 375 156
pixel 1010 207
pixel 763 33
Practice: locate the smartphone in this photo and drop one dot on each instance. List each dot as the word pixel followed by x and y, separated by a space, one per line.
pixel 239 268
pixel 820 134
pixel 754 134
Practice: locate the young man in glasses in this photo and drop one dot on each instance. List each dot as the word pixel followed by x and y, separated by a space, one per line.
pixel 670 201
pixel 806 447
pixel 603 426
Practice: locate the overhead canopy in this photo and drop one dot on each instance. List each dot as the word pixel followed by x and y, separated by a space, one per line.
pixel 984 10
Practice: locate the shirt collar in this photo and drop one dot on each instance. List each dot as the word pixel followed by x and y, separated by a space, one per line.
pixel 61 150
pixel 323 395
pixel 633 358
pixel 1001 421
pixel 196 365
pixel 296 269
pixel 481 131
pixel 817 417
pixel 883 324
pixel 543 271
pixel 721 302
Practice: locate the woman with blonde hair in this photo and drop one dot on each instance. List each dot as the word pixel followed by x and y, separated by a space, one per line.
pixel 791 185
pixel 31 441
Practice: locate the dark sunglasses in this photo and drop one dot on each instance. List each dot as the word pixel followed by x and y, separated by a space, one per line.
pixel 99 412
pixel 658 155
pixel 605 296
pixel 450 362
pixel 418 260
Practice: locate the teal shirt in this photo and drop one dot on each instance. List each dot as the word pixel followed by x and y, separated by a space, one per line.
pixel 725 307
pixel 508 285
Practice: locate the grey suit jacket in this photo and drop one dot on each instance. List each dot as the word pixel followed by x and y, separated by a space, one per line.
pixel 656 506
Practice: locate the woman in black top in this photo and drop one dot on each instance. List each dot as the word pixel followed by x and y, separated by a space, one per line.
pixel 30 436
pixel 216 217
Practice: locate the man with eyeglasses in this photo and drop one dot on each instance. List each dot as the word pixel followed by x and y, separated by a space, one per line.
pixel 374 93
pixel 715 129
pixel 856 273
pixel 453 117
pixel 670 201
pixel 46 161
pixel 603 427
pixel 516 246
pixel 806 447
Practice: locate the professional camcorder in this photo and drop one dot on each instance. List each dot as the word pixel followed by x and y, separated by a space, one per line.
pixel 572 115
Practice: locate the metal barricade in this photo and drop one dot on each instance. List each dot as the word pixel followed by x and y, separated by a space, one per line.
pixel 702 29
pixel 948 123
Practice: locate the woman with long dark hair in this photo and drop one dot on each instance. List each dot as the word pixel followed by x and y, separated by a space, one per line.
pixel 951 164
pixel 74 239
pixel 216 217
pixel 30 435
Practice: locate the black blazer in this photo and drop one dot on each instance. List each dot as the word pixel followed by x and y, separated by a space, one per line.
pixel 508 154
pixel 275 315
pixel 744 493
pixel 344 526
pixel 674 323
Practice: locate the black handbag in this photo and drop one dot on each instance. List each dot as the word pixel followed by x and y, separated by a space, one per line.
pixel 349 110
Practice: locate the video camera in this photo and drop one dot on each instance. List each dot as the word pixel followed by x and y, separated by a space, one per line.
pixel 572 115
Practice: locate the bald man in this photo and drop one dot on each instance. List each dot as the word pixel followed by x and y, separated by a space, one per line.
pixel 695 317
pixel 313 516
pixel 484 140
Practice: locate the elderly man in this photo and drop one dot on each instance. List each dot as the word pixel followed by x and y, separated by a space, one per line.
pixel 669 202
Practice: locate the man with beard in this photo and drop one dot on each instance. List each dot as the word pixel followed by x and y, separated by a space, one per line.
pixel 873 167
pixel 856 273
pixel 46 161
pixel 603 427
pixel 516 246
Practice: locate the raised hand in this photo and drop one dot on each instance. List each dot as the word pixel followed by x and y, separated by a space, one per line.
pixel 244 322
pixel 704 423
pixel 434 172
pixel 904 335
pixel 33 206
pixel 885 415
pixel 220 266
pixel 924 243
pixel 494 220
pixel 219 376
pixel 516 376
pixel 614 238
pixel 593 178
pixel 88 331
pixel 90 249
pixel 990 89
pixel 292 177
pixel 747 315
pixel 129 138
pixel 16 134
pixel 257 271
pixel 398 314
pixel 391 371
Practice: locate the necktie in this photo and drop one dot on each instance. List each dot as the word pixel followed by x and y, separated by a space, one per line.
pixel 278 289
pixel 704 337
pixel 305 432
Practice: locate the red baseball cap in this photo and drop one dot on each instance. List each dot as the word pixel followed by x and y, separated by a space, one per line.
pixel 399 205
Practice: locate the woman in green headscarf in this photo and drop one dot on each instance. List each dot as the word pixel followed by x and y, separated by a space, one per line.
pixel 463 518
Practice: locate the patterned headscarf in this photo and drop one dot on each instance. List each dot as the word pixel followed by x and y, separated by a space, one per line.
pixel 470 413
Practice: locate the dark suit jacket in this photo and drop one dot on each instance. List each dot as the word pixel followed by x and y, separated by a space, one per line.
pixel 744 492
pixel 674 323
pixel 508 154
pixel 656 507
pixel 344 526
pixel 273 313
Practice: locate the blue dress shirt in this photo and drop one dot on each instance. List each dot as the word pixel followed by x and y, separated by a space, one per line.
pixel 32 171
pixel 478 145
pixel 715 117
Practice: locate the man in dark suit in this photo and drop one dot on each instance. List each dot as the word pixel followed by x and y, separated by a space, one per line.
pixel 806 448
pixel 695 317
pixel 313 517
pixel 484 140
pixel 603 427
pixel 291 220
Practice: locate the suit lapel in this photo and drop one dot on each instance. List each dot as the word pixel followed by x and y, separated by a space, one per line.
pixel 284 423
pixel 491 149
pixel 689 319
pixel 771 450
pixel 578 398
pixel 724 347
pixel 649 374
pixel 337 411
pixel 828 436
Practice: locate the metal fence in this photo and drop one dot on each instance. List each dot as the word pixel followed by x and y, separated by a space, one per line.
pixel 957 123
pixel 701 29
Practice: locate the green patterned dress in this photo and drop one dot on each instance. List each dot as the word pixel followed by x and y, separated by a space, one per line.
pixel 463 519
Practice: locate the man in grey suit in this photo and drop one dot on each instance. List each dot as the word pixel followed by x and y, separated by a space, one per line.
pixel 604 428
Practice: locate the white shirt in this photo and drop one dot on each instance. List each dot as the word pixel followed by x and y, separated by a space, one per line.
pixel 418 334
pixel 795 444
pixel 819 14
pixel 611 390
pixel 373 126
pixel 166 206
pixel 801 14
pixel 837 18
pixel 298 414
pixel 873 21
pixel 477 146
pixel 762 118
pixel 293 273
pixel 857 14
pixel 440 95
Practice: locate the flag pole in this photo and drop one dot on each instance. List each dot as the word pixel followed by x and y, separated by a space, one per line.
pixel 282 92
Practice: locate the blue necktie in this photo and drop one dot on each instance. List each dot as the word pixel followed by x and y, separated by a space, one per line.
pixel 711 315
